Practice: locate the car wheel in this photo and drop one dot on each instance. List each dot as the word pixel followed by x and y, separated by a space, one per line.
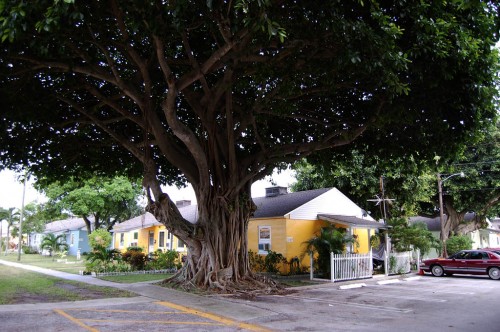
pixel 494 273
pixel 437 270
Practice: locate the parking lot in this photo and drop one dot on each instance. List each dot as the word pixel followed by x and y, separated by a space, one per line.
pixel 411 304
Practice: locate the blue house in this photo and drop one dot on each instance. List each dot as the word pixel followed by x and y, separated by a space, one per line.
pixel 75 232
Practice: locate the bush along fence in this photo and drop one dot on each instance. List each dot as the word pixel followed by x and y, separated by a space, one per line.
pixel 360 266
pixel 107 274
pixel 400 262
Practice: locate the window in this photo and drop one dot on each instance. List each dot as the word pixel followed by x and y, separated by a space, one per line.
pixel 136 235
pixel 122 239
pixel 264 239
pixel 180 244
pixel 161 239
pixel 72 239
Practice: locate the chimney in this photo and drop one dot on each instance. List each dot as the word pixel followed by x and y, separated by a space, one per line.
pixel 182 203
pixel 276 191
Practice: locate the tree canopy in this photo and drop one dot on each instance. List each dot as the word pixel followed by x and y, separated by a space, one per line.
pixel 101 202
pixel 220 93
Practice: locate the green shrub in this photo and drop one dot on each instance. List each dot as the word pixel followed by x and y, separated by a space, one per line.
pixel 134 248
pixel 272 260
pixel 256 261
pixel 30 250
pixel 136 259
pixel 163 260
pixel 100 238
pixel 458 242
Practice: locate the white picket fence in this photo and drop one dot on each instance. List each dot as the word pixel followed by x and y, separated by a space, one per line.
pixel 348 267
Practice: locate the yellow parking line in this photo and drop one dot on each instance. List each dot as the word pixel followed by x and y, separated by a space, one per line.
pixel 74 320
pixel 217 318
pixel 125 311
pixel 128 321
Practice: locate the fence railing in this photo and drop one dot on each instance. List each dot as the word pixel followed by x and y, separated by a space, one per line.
pixel 400 262
pixel 348 267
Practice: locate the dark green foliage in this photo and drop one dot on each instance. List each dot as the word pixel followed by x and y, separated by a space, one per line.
pixel 272 261
pixel 101 259
pixel 457 243
pixel 135 258
pixel 163 260
pixel 330 239
pixel 404 237
pixel 54 243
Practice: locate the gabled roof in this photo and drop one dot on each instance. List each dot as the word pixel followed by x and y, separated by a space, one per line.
pixel 281 205
pixel 64 225
pixel 142 221
pixel 147 220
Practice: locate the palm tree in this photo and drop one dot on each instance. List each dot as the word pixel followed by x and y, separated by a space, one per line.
pixel 54 243
pixel 11 216
pixel 330 239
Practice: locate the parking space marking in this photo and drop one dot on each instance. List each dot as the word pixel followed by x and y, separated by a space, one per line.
pixel 75 320
pixel 349 304
pixel 179 310
pixel 401 286
pixel 217 318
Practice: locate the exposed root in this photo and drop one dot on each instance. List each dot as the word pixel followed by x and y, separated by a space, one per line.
pixel 248 287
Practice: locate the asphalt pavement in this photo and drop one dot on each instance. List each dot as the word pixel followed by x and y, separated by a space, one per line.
pixel 410 303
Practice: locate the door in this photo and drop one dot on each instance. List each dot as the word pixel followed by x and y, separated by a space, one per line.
pixel 151 242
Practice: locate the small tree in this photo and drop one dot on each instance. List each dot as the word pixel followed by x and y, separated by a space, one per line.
pixel 330 239
pixel 457 243
pixel 405 237
pixel 54 243
pixel 101 257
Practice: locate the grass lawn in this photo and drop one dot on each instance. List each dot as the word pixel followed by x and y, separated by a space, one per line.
pixel 131 278
pixel 72 265
pixel 18 286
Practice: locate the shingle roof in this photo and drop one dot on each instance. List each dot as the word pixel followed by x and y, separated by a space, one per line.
pixel 351 221
pixel 64 225
pixel 189 213
pixel 283 204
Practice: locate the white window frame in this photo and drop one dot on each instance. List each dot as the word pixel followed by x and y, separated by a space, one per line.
pixel 264 243
pixel 160 244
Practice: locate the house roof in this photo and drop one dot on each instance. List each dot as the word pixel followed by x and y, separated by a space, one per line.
pixel 64 225
pixel 434 224
pixel 351 221
pixel 147 220
pixel 306 205
pixel 281 205
pixel 142 221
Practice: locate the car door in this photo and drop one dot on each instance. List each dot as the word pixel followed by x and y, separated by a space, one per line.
pixel 477 262
pixel 457 263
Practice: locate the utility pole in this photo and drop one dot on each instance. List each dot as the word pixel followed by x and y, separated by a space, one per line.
pixel 20 242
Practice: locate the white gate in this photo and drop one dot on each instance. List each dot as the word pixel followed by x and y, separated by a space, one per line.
pixel 348 266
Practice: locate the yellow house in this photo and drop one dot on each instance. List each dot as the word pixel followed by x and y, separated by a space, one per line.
pixel 284 221
pixel 146 232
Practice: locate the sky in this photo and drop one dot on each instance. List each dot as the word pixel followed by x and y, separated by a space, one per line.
pixel 11 190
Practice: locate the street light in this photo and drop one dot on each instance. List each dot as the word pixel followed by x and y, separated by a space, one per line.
pixel 441 216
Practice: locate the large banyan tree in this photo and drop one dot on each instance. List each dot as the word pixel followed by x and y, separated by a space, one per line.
pixel 219 93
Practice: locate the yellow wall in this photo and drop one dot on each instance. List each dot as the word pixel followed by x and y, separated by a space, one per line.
pixel 143 240
pixel 288 236
pixel 363 240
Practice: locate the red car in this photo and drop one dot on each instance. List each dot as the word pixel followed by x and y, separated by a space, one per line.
pixel 478 261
